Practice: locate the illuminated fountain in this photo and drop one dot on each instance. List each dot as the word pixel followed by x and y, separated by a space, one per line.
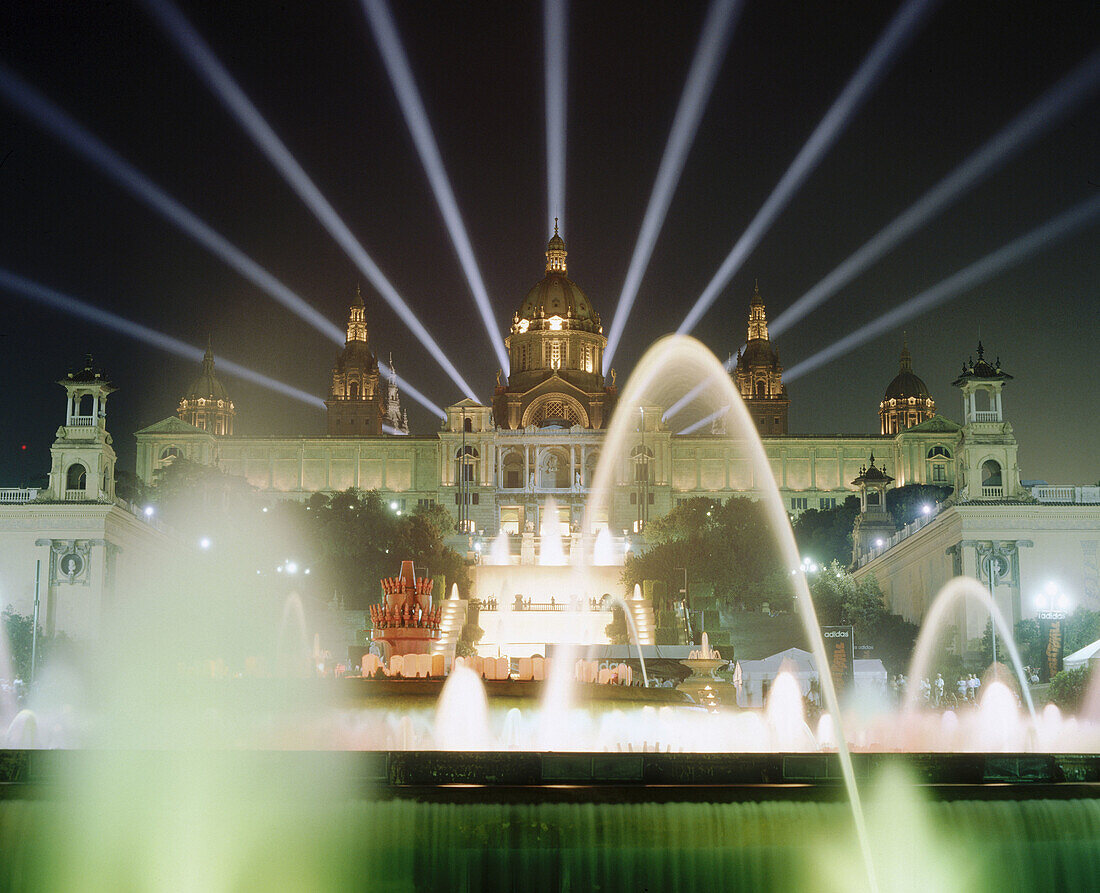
pixel 406 622
pixel 648 738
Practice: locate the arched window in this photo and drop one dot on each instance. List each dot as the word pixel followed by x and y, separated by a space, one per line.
pixel 76 477
pixel 169 454
pixel 939 451
pixel 760 390
pixel 642 457
pixel 991 474
pixel 85 404
pixel 466 459
pixel 468 425
pixel 353 390
pixel 513 472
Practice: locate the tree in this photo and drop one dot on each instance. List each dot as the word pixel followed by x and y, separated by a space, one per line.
pixel 352 539
pixel 906 504
pixel 1068 688
pixel 728 546
pixel 18 630
pixel 1027 636
pixel 842 600
pixel 192 497
pixel 1082 628
pixel 826 534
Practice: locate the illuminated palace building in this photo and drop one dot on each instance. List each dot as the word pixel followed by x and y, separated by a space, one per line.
pixel 495 465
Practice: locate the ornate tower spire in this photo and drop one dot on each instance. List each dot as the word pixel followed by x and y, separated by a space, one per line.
pixel 357 322
pixel 759 373
pixel 906 357
pixel 758 319
pixel 555 252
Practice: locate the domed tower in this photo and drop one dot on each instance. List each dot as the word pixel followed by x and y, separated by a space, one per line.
pixel 356 405
pixel 907 401
pixel 206 403
pixel 555 349
pixel 759 375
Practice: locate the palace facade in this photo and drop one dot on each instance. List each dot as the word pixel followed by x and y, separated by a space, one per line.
pixel 494 466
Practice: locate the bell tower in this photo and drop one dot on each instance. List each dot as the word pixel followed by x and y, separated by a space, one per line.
pixel 759 376
pixel 82 460
pixel 356 403
pixel 873 524
pixel 989 465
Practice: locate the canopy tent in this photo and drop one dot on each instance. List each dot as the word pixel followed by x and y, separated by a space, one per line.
pixel 1082 656
pixel 758 675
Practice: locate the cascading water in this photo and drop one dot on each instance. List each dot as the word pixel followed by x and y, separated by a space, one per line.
pixel 551 551
pixel 500 552
pixel 604 553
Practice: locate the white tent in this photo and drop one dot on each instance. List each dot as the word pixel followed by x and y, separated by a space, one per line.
pixel 1082 656
pixel 758 675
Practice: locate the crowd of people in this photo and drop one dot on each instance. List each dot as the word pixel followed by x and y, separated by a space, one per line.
pixel 935 692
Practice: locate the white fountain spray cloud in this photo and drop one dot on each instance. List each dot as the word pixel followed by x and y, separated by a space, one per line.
pixel 898 33
pixel 404 85
pixel 1013 253
pixel 202 58
pixel 667 365
pixel 555 22
pixel 709 54
pixel 958 590
pixel 51 298
pixel 1035 120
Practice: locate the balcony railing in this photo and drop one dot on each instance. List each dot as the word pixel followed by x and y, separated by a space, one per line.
pixel 993 492
pixel 986 415
pixel 76 495
pixel 18 495
pixel 1072 494
pixel 82 421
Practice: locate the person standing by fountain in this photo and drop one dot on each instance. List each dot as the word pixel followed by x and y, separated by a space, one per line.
pixel 938 689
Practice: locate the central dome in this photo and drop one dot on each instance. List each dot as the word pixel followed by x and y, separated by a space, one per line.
pixel 556 295
pixel 906 384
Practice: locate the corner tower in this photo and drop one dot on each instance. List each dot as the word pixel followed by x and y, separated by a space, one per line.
pixel 988 464
pixel 555 350
pixel 356 404
pixel 906 402
pixel 206 403
pixel 82 459
pixel 759 375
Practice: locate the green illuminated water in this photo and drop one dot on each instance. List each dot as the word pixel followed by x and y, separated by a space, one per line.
pixel 405 845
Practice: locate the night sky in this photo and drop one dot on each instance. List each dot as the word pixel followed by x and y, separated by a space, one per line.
pixel 314 72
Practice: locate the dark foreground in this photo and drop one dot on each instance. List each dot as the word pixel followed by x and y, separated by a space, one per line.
pixel 524 821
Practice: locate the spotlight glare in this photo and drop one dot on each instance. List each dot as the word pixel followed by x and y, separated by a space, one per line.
pixel 1036 119
pixel 202 58
pixel 1013 253
pixel 893 40
pixel 31 103
pixel 555 20
pixel 23 97
pixel 709 54
pixel 58 301
pixel 416 117
pixel 204 543
pixel 714 416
